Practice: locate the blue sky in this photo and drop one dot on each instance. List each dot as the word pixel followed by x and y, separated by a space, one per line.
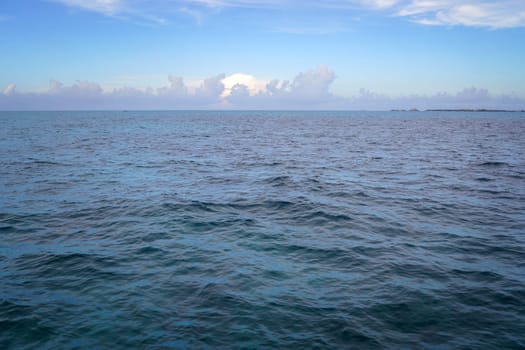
pixel 341 53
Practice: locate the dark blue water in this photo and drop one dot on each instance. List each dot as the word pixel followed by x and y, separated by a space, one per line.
pixel 158 230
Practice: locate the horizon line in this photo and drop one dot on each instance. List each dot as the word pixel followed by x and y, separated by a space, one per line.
pixel 412 110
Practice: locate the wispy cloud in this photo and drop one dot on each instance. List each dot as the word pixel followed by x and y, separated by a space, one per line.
pixel 490 14
pixel 379 4
pixel 9 89
pixel 106 7
pixel 494 14
pixel 138 11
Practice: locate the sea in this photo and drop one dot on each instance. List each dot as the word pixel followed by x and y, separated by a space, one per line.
pixel 262 230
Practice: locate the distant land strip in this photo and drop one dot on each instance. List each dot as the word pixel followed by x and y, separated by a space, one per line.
pixel 458 110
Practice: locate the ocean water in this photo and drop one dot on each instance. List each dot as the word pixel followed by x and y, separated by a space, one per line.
pixel 290 230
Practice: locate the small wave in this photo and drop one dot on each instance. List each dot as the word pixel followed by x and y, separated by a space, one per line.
pixel 46 162
pixel 240 236
pixel 281 180
pixel 493 164
pixel 7 229
pixel 278 205
pixel 75 264
pixel 321 216
pixel 148 250
pixel 484 179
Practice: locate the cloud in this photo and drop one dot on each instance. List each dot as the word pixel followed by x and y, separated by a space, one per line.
pixel 90 95
pixel 106 7
pixel 252 84
pixel 491 14
pixel 211 88
pixel 309 90
pixel 379 4
pixel 137 10
pixel 314 83
pixel 176 88
pixel 468 98
pixel 82 89
pixel 495 14
pixel 9 89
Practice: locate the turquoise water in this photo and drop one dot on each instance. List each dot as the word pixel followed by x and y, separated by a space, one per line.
pixel 158 230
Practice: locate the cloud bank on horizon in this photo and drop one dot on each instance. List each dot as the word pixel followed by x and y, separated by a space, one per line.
pixel 308 90
pixel 495 14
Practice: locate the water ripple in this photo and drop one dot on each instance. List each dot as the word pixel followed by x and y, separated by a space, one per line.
pixel 262 230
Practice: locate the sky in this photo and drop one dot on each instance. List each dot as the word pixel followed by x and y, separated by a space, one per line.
pixel 253 54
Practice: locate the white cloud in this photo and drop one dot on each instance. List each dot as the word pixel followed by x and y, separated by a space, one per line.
pixel 252 84
pixel 106 7
pixel 490 14
pixel 379 4
pixel 9 89
pixel 139 11
pixel 314 83
pixel 494 14
pixel 309 89
pixel 421 6
pixel 238 3
pixel 193 13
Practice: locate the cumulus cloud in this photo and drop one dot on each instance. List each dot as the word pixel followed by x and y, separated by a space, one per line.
pixel 90 95
pixel 314 83
pixel 82 89
pixel 211 88
pixel 252 84
pixel 176 87
pixel 308 90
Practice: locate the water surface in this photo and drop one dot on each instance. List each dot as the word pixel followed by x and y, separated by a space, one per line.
pixel 284 230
